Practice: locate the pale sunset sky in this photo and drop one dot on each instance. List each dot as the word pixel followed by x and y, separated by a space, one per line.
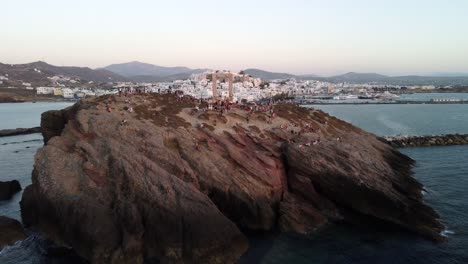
pixel 295 36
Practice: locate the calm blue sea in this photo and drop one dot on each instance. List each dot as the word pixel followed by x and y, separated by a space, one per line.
pixel 385 120
pixel 443 171
pixel 16 162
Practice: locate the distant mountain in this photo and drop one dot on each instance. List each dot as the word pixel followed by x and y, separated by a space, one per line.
pixel 266 75
pixel 145 72
pixel 353 77
pixel 308 76
pixel 136 68
pixel 448 74
pixel 167 78
pixel 37 72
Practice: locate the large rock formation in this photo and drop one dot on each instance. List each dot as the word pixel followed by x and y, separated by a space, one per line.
pixel 167 183
pixel 10 231
pixel 8 189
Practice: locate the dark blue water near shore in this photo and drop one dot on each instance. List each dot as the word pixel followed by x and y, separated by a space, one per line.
pixel 443 171
pixel 389 120
pixel 16 162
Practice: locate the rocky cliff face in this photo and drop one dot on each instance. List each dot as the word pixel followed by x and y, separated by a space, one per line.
pixel 166 183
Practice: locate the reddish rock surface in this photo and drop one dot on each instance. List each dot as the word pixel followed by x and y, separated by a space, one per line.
pixel 167 183
pixel 10 232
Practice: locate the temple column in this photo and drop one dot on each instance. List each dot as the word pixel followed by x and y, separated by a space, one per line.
pixel 215 88
pixel 231 96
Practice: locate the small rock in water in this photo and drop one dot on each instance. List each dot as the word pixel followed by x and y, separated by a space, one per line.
pixel 10 231
pixel 8 189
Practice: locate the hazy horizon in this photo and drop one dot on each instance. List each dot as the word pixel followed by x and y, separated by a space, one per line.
pixel 300 37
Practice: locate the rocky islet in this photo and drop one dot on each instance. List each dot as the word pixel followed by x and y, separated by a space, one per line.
pixel 150 178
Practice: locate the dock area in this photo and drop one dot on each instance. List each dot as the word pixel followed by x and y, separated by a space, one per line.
pixel 375 102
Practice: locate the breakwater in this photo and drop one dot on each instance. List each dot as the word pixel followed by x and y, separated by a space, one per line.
pixel 427 141
pixel 19 131
pixel 318 102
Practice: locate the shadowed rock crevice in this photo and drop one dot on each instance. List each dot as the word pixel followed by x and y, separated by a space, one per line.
pixel 167 183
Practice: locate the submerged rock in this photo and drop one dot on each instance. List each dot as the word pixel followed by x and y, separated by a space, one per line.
pixel 10 231
pixel 167 183
pixel 8 189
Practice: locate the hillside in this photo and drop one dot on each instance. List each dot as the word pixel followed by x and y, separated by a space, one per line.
pixel 168 78
pixel 266 75
pixel 145 72
pixel 358 77
pixel 37 72
pixel 135 68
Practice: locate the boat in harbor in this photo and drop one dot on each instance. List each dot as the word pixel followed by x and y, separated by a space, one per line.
pixel 387 95
pixel 339 97
pixel 345 97
pixel 366 96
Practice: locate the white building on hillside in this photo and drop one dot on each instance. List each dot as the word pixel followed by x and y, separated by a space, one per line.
pixel 45 90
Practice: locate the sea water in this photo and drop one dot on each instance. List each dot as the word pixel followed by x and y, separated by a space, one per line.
pixel 16 163
pixel 442 170
pixel 404 119
pixel 444 173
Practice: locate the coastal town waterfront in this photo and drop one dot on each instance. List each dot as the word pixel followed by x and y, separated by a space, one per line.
pixel 245 87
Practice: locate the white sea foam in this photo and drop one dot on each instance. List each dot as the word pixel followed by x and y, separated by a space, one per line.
pixel 394 125
pixel 446 233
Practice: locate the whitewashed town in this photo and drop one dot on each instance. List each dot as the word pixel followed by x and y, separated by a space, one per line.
pixel 245 88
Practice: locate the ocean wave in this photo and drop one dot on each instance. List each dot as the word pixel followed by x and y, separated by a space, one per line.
pixel 446 233
pixel 398 127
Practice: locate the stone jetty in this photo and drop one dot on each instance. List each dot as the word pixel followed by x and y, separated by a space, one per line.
pixel 19 131
pixel 427 141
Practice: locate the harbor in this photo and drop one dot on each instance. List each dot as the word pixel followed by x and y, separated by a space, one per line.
pixel 380 99
pixel 377 102
pixel 427 141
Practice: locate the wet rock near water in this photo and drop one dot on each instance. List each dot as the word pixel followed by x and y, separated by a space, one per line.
pixel 11 231
pixel 8 189
pixel 19 131
pixel 427 141
pixel 151 179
